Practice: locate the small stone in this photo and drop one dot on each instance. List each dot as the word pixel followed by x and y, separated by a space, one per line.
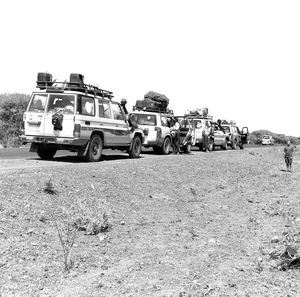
pixel 30 231
pixel 275 239
pixel 297 220
pixel 212 241
pixel 122 223
pixel 260 259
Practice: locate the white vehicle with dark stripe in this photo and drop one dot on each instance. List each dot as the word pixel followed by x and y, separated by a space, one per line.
pixel 77 117
pixel 156 128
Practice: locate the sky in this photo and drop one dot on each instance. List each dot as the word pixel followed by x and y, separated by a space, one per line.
pixel 240 59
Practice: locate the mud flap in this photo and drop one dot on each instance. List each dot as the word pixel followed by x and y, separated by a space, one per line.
pixel 83 152
pixel 33 147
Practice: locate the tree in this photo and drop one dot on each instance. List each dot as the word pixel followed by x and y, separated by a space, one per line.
pixel 12 107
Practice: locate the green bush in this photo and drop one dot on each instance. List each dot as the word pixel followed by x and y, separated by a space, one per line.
pixel 12 107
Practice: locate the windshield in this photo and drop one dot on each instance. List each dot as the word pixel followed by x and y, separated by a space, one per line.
pixel 266 137
pixel 38 103
pixel 143 119
pixel 61 103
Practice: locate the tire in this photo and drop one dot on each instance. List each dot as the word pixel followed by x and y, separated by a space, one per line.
pixel 233 146
pixel 166 146
pixel 46 153
pixel 241 147
pixel 210 145
pixel 136 147
pixel 224 147
pixel 187 148
pixel 94 152
pixel 201 147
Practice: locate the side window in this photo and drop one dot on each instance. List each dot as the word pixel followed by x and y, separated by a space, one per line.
pixel 88 106
pixel 38 103
pixel 117 112
pixel 104 110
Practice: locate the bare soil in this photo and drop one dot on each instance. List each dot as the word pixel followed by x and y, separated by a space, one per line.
pixel 203 224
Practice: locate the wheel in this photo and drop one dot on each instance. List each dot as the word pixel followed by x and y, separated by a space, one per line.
pixel 46 153
pixel 211 145
pixel 136 147
pixel 233 146
pixel 187 148
pixel 224 147
pixel 241 146
pixel 201 147
pixel 166 146
pixel 95 149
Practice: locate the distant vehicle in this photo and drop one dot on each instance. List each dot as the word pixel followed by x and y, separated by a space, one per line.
pixel 234 137
pixel 77 117
pixel 267 140
pixel 199 120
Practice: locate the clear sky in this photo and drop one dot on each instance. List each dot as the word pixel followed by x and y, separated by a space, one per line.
pixel 241 59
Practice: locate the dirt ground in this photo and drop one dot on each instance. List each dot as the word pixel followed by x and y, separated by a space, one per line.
pixel 203 224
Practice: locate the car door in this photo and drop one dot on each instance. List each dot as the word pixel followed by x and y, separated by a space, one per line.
pixel 121 128
pixel 60 105
pixel 244 135
pixel 34 115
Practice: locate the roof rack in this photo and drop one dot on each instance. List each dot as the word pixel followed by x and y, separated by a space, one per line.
pixel 149 109
pixel 198 116
pixel 67 86
pixel 45 82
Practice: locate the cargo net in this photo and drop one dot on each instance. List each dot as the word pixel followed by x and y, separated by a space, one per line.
pixel 153 102
pixel 76 83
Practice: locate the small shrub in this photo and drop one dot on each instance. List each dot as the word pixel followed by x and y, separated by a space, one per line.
pixel 49 188
pixel 67 233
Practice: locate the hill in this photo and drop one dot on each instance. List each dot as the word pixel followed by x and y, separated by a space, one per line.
pixel 256 136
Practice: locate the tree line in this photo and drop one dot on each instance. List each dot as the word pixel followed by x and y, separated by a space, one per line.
pixel 12 107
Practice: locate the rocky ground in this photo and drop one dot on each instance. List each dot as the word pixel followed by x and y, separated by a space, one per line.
pixel 224 223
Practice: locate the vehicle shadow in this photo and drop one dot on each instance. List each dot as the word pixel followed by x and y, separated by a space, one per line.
pixel 77 159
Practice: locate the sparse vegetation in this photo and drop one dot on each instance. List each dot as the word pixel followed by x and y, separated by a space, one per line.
pixel 49 188
pixel 67 233
pixel 255 137
pixel 12 107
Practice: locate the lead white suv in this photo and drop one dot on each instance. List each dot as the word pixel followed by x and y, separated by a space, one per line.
pixel 77 117
pixel 156 129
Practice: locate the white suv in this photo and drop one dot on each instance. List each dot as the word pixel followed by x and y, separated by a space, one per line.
pixel 156 129
pixel 77 117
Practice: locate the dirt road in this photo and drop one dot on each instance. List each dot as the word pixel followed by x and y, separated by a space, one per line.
pixel 204 224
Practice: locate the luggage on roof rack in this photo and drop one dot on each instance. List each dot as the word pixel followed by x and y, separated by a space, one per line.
pixel 161 99
pixel 44 80
pixel 150 105
pixel 76 81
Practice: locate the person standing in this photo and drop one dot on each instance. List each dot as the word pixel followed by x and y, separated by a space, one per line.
pixel 288 155
pixel 175 136
pixel 205 134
